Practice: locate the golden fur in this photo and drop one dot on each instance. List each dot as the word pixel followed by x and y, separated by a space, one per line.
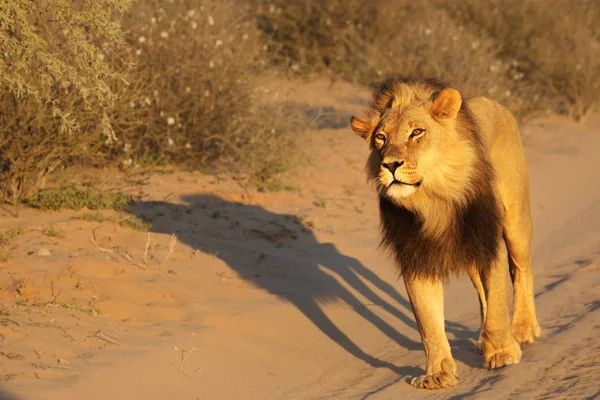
pixel 454 198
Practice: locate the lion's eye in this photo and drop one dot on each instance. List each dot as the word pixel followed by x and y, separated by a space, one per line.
pixel 417 133
pixel 380 136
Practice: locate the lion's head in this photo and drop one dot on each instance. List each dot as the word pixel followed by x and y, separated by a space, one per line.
pixel 419 147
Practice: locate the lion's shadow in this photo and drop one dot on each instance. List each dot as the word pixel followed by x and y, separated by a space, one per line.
pixel 279 254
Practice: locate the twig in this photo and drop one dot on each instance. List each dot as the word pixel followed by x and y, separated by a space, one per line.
pixel 131 260
pixel 98 246
pixel 120 220
pixel 61 367
pixel 181 372
pixel 171 246
pixel 187 355
pixel 57 294
pixel 46 366
pixel 106 338
pixel 125 255
pixel 41 325
pixel 164 200
pixel 147 248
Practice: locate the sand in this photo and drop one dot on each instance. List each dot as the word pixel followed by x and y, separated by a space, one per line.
pixel 286 295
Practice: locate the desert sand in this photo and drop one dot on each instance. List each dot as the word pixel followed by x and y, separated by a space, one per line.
pixel 237 294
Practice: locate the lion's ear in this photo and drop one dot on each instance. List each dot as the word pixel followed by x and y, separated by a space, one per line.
pixel 446 104
pixel 361 127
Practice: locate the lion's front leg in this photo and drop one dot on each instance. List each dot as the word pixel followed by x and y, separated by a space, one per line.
pixel 498 344
pixel 427 299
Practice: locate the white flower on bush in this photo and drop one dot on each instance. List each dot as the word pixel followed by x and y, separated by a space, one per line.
pixel 153 20
pixel 164 34
pixel 188 146
pixel 211 21
pixel 170 121
pixel 142 39
pixel 138 52
pixel 194 25
pixel 218 43
pixel 170 141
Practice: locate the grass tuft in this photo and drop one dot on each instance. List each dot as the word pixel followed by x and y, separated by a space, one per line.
pixel 77 199
pixel 129 221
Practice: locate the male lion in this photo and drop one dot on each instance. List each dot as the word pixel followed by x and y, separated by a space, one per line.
pixel 454 197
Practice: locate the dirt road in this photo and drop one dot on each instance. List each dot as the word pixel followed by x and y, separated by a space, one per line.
pixel 236 294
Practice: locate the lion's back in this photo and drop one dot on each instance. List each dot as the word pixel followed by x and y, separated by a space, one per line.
pixel 502 139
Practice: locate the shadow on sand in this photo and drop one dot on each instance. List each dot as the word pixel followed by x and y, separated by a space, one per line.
pixel 278 253
pixel 4 395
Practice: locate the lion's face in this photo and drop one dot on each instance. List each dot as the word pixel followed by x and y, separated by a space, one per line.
pixel 405 146
pixel 410 144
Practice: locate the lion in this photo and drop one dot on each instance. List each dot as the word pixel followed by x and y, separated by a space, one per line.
pixel 453 191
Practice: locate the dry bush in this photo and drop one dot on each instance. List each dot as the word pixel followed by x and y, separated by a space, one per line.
pixel 190 83
pixel 367 41
pixel 187 97
pixel 53 81
pixel 551 46
pixel 530 55
pixel 54 46
pixel 34 143
pixel 191 97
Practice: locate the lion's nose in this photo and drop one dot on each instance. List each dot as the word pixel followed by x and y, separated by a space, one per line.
pixel 392 166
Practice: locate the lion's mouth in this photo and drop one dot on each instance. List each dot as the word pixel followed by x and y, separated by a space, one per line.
pixel 397 182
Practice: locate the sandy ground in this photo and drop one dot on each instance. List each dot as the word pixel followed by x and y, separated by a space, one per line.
pixel 285 295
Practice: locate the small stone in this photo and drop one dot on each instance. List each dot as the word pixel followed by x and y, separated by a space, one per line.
pixel 44 252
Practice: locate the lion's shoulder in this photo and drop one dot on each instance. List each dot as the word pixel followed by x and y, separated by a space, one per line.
pixel 497 125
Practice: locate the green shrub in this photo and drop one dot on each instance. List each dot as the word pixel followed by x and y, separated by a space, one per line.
pixel 77 199
pixel 128 221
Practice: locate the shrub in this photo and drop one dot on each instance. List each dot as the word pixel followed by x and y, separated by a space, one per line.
pixel 513 51
pixel 54 79
pixel 77 199
pixel 552 48
pixel 187 96
pixel 54 46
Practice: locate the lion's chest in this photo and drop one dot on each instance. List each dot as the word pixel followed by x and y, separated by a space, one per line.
pixel 472 238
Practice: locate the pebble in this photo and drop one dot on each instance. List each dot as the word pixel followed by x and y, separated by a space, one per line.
pixel 44 252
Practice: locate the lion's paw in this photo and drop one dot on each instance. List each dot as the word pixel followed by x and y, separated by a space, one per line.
pixel 526 331
pixel 444 378
pixel 503 357
pixel 434 381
